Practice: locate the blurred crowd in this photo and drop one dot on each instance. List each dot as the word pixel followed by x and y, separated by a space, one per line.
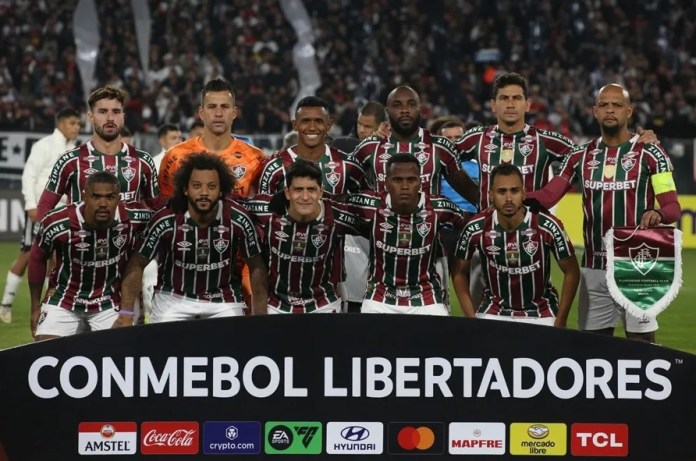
pixel 450 51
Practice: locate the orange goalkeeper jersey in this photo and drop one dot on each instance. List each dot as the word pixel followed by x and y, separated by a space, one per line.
pixel 243 159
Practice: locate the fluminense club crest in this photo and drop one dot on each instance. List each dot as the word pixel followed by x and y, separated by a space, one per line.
pixel 423 228
pixel 333 178
pixel 238 172
pixel 318 240
pixel 644 257
pixel 119 240
pixel 531 247
pixel 128 173
pixel 221 245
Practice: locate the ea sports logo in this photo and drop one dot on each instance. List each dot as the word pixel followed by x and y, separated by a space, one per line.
pixel 412 438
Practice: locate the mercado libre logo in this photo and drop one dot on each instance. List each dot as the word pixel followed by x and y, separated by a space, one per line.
pixel 416 438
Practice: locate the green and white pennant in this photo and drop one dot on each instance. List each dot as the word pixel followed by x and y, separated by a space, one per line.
pixel 644 268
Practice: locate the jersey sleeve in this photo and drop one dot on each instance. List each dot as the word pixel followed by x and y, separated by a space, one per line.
pixel 557 237
pixel 247 232
pixel 62 173
pixel 151 188
pixel 466 144
pixel 570 167
pixel 52 226
pixel 449 157
pixel 159 229
pixel 258 208
pixel 345 218
pixel 364 205
pixel 557 145
pixel 469 238
pixel 170 163
pixel 449 213
pixel 272 173
pixel 356 175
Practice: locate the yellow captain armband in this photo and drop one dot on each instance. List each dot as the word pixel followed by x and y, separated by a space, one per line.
pixel 663 182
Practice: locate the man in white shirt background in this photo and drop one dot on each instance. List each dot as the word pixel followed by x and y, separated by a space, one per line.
pixel 39 164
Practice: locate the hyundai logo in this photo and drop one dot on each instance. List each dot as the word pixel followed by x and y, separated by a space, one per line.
pixel 355 433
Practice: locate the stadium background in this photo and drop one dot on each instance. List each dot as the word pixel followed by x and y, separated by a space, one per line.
pixel 347 52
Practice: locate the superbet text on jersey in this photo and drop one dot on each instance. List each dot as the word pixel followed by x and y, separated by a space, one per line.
pixel 516 264
pixel 200 264
pixel 133 168
pixel 532 150
pixel 616 186
pixel 301 256
pixel 403 248
pixel 89 263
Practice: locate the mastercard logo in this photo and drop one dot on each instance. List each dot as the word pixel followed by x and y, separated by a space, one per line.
pixel 416 438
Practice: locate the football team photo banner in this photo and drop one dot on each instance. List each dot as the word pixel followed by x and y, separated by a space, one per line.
pixel 644 268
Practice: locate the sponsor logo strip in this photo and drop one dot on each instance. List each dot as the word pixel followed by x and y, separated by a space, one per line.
pixel 365 438
pixel 538 439
pixel 231 437
pixel 476 439
pixel 107 438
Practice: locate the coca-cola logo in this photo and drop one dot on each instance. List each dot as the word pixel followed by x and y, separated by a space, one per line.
pixel 178 438
pixel 169 437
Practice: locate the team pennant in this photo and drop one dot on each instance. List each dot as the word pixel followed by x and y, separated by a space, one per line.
pixel 644 268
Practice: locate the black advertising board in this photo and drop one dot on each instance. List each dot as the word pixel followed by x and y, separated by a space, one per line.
pixel 346 387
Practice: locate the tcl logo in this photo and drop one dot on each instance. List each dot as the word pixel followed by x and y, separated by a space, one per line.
pixel 599 439
pixel 169 438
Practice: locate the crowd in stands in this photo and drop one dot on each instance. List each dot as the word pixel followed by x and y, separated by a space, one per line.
pixel 449 51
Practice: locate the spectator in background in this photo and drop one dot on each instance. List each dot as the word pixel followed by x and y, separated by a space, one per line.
pixel 168 135
pixel 196 129
pixel 42 157
pixel 290 139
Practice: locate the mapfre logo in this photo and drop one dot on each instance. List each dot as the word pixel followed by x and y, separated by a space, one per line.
pixel 588 439
pixel 169 438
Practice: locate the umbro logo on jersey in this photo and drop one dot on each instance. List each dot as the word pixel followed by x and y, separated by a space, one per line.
pixel 386 226
pixel 593 164
pixel 89 171
pixel 493 250
pixel 82 246
pixel 184 246
pixel 490 147
pixel 384 157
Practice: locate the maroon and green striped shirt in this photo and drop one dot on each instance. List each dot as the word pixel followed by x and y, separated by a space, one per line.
pixel 532 150
pixel 201 263
pixel 616 188
pixel 340 173
pixel 300 256
pixel 436 154
pixel 89 263
pixel 516 264
pixel 133 167
pixel 403 248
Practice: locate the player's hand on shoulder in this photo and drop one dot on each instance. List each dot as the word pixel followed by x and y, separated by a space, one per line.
pixel 647 136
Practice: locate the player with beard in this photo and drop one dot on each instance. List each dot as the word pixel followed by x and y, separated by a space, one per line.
pixel 196 240
pixel 300 240
pixel 133 167
pixel 515 245
pixel 436 155
pixel 620 177
pixel 91 242
pixel 404 225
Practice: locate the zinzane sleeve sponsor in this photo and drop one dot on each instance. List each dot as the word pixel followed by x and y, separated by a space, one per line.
pixel 557 237
pixel 160 227
pixel 258 208
pixel 151 184
pixel 50 228
pixel 346 219
pixel 61 174
pixel 449 213
pixel 449 158
pixel 271 173
pixel 466 144
pixel 364 205
pixel 660 167
pixel 356 175
pixel 557 145
pixel 468 239
pixel 250 244
pixel 569 167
